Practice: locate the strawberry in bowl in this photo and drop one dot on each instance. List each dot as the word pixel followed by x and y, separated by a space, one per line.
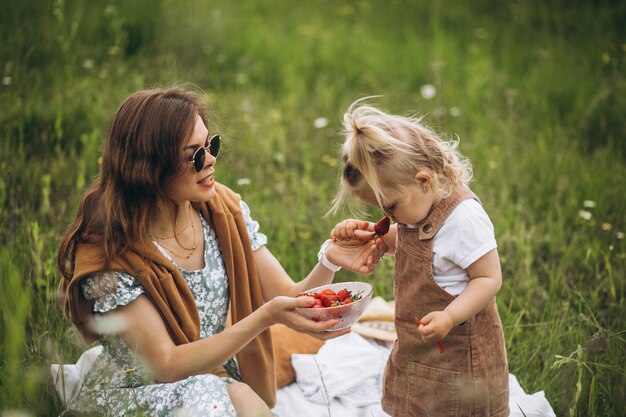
pixel 344 301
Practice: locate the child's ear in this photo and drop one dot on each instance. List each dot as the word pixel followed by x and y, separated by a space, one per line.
pixel 424 180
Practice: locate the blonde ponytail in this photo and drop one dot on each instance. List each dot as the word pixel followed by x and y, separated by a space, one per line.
pixel 383 151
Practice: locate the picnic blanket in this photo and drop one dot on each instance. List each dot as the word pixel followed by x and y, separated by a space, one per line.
pixel 344 377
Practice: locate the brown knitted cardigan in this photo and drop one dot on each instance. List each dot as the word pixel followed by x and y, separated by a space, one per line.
pixel 166 288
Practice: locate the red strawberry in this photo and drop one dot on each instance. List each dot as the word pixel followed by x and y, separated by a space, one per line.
pixel 382 226
pixel 328 300
pixel 343 294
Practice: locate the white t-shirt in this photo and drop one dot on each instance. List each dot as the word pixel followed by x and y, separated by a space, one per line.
pixel 465 237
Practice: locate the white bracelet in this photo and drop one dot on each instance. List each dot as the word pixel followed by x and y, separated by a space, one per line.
pixel 321 256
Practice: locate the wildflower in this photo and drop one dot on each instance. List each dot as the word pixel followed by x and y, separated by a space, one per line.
pixel 6 80
pixel 243 181
pixel 586 215
pixel 428 91
pixel 619 235
pixel 454 111
pixel 88 64
pixel 320 122
pixel 589 203
pixel 606 226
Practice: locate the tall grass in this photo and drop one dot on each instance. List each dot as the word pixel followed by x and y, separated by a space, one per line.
pixel 534 90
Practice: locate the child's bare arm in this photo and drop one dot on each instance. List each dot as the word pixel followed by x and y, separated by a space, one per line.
pixel 485 282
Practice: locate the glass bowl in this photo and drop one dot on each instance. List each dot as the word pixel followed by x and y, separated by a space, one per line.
pixel 347 314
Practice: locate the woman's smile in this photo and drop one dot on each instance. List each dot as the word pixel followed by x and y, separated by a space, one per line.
pixel 207 181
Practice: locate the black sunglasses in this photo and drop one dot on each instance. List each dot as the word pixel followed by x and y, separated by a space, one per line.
pixel 198 157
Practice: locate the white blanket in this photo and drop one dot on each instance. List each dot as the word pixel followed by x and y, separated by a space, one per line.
pixel 343 377
pixel 349 369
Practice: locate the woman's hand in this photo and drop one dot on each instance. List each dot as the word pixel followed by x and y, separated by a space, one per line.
pixel 435 326
pixel 355 246
pixel 283 310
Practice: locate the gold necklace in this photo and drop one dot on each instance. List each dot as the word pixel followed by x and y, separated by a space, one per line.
pixel 191 250
pixel 186 226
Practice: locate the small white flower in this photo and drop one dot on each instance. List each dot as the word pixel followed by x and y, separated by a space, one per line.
pixel 607 226
pixel 619 235
pixel 320 122
pixel 7 80
pixel 455 111
pixel 428 91
pixel 88 64
pixel 589 203
pixel 243 181
pixel 586 215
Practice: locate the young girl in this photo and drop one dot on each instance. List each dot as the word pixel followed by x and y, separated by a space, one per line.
pixel 447 269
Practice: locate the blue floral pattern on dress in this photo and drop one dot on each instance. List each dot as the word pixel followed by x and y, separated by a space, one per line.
pixel 118 384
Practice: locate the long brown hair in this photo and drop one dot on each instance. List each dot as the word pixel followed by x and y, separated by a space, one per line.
pixel 142 153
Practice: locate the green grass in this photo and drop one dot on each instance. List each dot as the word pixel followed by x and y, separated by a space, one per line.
pixel 534 90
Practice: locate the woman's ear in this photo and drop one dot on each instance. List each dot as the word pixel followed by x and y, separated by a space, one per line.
pixel 424 180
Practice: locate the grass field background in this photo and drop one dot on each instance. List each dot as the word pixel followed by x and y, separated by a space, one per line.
pixel 534 90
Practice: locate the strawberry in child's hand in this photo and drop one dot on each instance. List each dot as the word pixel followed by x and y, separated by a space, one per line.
pixel 439 342
pixel 382 226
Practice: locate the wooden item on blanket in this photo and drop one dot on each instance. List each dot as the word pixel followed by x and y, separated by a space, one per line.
pixel 377 321
pixel 286 342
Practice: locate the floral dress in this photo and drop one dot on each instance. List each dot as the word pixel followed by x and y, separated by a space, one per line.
pixel 118 384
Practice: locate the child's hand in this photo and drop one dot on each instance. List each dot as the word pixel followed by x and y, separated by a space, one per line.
pixel 435 326
pixel 352 230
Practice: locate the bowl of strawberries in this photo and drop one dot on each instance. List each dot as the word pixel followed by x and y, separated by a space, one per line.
pixel 344 301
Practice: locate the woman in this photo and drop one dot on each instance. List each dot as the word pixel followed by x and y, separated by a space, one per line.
pixel 160 255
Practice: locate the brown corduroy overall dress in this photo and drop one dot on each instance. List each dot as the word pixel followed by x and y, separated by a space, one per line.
pixel 471 377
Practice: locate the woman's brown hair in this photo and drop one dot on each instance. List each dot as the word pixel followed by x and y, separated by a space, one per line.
pixel 142 152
